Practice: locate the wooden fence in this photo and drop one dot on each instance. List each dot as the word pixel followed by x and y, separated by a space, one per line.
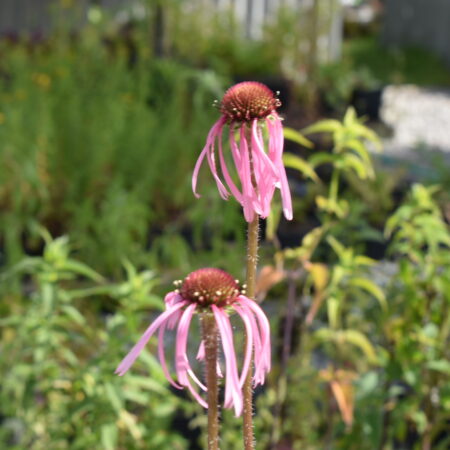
pixel 30 16
pixel 424 23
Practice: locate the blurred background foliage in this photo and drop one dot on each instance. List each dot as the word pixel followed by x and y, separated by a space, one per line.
pixel 101 122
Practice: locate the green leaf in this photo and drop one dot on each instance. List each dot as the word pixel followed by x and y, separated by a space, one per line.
pixel 74 314
pixel 323 126
pixel 309 243
pixel 109 436
pixel 295 162
pixel 146 383
pixel 273 221
pixel 359 340
pixel 333 311
pixel 112 393
pixel 81 269
pixel 297 137
pixel 338 248
pixel 371 288
pixel 362 260
pixel 350 117
pixel 323 158
pixel 440 365
pixel 368 383
pixel 357 146
pixel 368 134
pixel 351 161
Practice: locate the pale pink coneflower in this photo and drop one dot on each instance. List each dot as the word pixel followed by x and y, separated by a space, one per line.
pixel 249 110
pixel 214 292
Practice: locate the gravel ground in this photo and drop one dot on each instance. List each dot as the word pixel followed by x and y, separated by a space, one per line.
pixel 419 119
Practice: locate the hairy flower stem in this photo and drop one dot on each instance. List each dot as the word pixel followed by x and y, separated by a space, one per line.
pixel 209 330
pixel 252 259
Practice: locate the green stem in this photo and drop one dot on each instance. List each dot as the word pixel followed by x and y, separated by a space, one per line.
pixel 252 259
pixel 209 330
pixel 334 185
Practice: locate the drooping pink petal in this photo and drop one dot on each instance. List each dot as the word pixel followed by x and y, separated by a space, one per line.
pixel 234 190
pixel 182 365
pixel 207 150
pixel 162 357
pixel 171 299
pixel 234 149
pixel 250 202
pixel 233 392
pixel 259 357
pixel 249 342
pixel 264 327
pixel 276 144
pixel 212 165
pixel 285 194
pixel 266 185
pixel 258 151
pixel 136 350
pixel 276 138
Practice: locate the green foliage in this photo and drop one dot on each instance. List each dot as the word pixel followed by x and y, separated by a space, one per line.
pixel 92 146
pixel 375 341
pixel 59 352
pixel 395 65
pixel 98 142
pixel 418 326
pixel 349 156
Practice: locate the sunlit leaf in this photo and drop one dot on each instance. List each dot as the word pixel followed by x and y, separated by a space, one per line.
pixel 370 287
pixel 358 339
pixel 323 126
pixel 295 162
pixel 297 137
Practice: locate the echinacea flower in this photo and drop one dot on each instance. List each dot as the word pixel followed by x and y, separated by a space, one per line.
pixel 215 292
pixel 249 110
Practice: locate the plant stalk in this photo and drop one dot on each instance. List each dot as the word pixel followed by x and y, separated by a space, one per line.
pixel 210 339
pixel 252 260
pixel 334 185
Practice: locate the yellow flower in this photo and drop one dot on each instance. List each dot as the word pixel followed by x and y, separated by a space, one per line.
pixel 42 80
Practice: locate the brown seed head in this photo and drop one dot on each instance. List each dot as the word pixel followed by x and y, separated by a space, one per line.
pixel 210 286
pixel 249 100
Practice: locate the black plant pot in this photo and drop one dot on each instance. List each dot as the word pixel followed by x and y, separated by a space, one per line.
pixel 367 102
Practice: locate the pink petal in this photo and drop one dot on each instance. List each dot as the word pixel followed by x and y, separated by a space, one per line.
pixel 171 299
pixel 162 357
pixel 234 190
pixel 128 361
pixel 235 150
pixel 276 144
pixel 259 375
pixel 212 165
pixel 285 194
pixel 233 392
pixel 258 150
pixel 208 151
pixel 276 138
pixel 246 178
pixel 182 365
pixel 248 349
pixel 264 326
